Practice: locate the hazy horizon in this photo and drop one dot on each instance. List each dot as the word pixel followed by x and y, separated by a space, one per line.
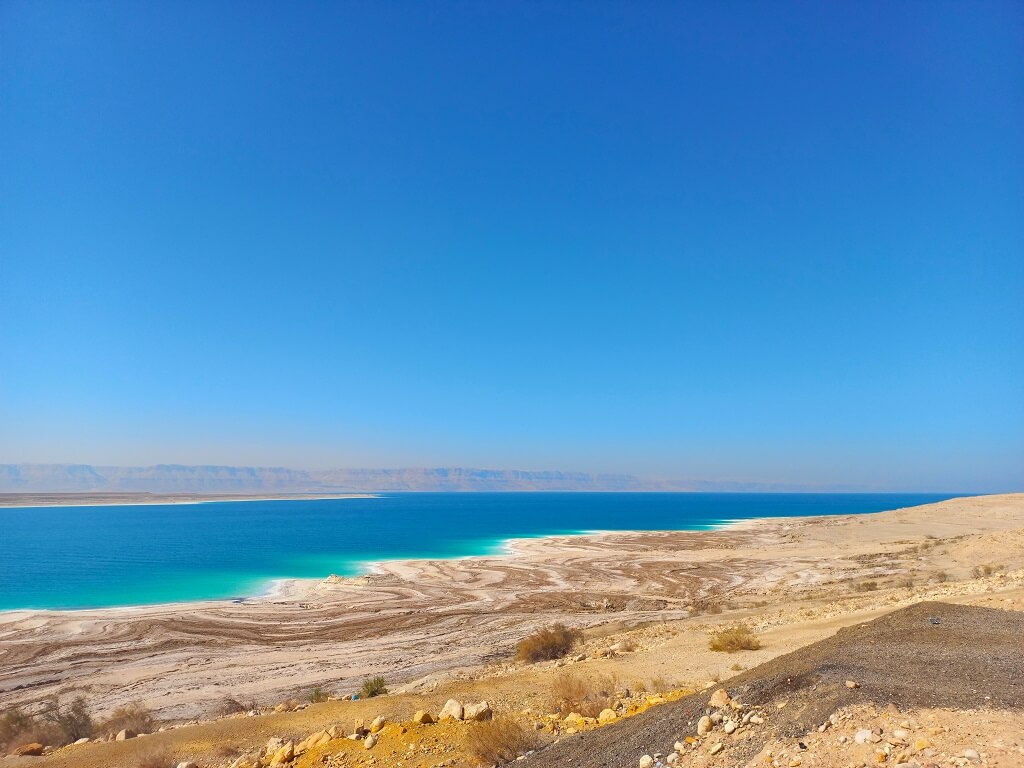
pixel 758 243
pixel 219 478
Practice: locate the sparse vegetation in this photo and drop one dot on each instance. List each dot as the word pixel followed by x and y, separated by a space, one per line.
pixel 582 695
pixel 738 637
pixel 17 727
pixel 866 586
pixel 56 724
pixel 318 695
pixel 986 570
pixel 661 685
pixel 737 667
pixel 941 576
pixel 373 686
pixel 500 741
pixel 230 706
pixel 134 717
pixel 552 642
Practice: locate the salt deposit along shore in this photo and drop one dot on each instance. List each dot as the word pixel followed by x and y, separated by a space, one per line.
pixel 128 499
pixel 422 623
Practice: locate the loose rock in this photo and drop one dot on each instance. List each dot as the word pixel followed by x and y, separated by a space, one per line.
pixel 452 710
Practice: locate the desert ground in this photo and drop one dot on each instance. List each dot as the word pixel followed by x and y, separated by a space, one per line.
pixel 439 630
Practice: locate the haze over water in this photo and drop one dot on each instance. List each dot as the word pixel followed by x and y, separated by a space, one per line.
pixel 100 556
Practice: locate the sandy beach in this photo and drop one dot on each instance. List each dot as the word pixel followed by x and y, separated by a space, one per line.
pixel 423 623
pixel 132 499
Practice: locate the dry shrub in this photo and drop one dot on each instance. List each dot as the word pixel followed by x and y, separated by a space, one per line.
pixel 941 577
pixel 230 706
pixel 735 638
pixel 552 642
pixel 866 586
pixel 500 741
pixel 55 725
pixel 133 717
pixel 373 686
pixel 17 728
pixel 318 695
pixel 156 758
pixel 986 570
pixel 661 685
pixel 581 695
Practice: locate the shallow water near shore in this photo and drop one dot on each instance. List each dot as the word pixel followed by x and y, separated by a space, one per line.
pixel 104 556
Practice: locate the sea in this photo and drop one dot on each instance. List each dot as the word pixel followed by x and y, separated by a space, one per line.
pixel 105 556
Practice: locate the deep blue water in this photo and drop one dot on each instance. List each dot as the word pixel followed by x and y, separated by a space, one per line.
pixel 79 557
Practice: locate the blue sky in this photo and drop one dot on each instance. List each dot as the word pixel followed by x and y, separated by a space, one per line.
pixel 751 241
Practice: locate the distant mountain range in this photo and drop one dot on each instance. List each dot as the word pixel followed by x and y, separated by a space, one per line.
pixel 177 478
pixel 182 478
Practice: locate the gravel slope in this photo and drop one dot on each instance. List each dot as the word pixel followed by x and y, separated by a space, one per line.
pixel 928 655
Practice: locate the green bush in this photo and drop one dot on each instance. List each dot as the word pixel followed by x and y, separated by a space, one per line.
pixel 373 686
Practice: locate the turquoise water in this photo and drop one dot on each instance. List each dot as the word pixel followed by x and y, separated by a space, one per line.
pixel 80 557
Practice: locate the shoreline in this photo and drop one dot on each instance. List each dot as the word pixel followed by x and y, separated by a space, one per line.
pixel 419 622
pixel 145 500
pixel 297 588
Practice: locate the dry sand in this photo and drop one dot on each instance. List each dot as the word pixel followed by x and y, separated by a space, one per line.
pixel 127 498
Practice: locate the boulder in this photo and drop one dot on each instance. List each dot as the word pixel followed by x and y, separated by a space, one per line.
pixel 422 718
pixel 719 699
pixel 125 734
pixel 574 720
pixel 187 764
pixel 606 716
pixel 313 740
pixel 284 755
pixel 335 732
pixel 479 712
pixel 646 761
pixel 704 726
pixel 370 742
pixel 33 749
pixel 378 723
pixel 452 710
pixel 272 746
pixel 83 740
pixel 716 748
